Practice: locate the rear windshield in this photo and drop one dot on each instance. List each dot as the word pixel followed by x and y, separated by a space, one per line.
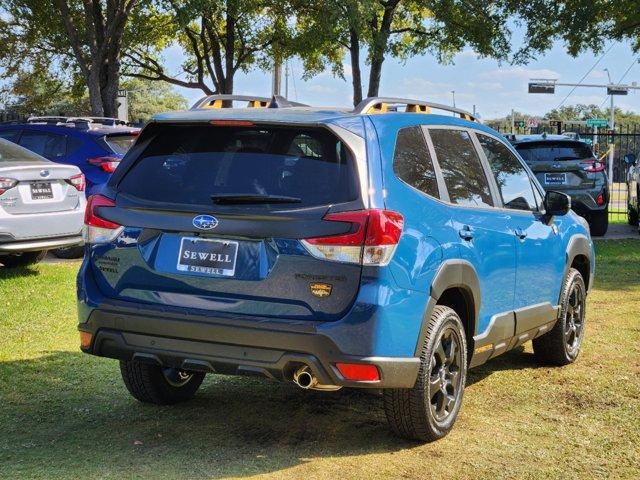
pixel 190 164
pixel 553 151
pixel 120 143
pixel 10 152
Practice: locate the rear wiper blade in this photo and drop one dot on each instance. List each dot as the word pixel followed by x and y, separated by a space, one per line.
pixel 237 198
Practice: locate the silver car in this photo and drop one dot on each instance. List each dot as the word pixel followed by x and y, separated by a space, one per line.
pixel 41 205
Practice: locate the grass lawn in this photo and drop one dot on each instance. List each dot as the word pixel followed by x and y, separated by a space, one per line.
pixel 67 415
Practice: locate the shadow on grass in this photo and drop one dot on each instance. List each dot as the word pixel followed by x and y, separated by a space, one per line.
pixel 67 414
pixel 17 272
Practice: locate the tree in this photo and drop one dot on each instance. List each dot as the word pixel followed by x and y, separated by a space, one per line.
pixel 219 38
pixel 74 38
pixel 146 98
pixel 581 24
pixel 396 28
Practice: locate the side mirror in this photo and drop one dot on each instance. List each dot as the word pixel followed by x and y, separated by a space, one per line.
pixel 630 159
pixel 556 203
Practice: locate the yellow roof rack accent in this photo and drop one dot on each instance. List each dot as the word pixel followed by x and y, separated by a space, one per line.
pixel 390 104
pixel 418 109
pixel 226 101
pixel 378 108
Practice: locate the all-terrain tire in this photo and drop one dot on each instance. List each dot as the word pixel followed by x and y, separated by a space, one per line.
pixel 153 384
pixel 599 223
pixel 24 259
pixel 410 411
pixel 561 345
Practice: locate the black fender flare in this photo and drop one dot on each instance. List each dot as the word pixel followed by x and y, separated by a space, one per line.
pixel 579 244
pixel 451 274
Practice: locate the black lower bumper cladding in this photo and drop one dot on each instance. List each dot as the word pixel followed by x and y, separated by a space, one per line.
pixel 270 349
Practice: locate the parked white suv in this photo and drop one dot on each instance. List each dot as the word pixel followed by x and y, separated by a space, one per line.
pixel 41 205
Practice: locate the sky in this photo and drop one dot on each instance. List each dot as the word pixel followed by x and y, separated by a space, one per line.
pixel 492 87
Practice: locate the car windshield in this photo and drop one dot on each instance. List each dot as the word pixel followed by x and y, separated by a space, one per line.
pixel 205 164
pixel 10 152
pixel 554 151
pixel 120 143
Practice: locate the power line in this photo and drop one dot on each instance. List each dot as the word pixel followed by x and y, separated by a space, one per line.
pixel 585 76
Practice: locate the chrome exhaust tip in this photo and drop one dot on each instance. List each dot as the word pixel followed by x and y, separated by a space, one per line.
pixel 305 379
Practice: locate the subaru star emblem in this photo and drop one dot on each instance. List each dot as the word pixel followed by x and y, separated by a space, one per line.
pixel 205 222
pixel 44 173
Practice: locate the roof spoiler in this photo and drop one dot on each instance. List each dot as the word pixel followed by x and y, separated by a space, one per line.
pixel 226 101
pixel 391 104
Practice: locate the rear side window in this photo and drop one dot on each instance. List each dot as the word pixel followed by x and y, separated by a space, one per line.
pixel 190 164
pixel 461 168
pixel 554 151
pixel 10 152
pixel 512 178
pixel 412 162
pixel 120 143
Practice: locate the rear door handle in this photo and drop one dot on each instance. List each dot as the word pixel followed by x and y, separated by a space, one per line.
pixel 466 233
pixel 521 234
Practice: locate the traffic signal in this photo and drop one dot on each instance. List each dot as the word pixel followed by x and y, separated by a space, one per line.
pixel 610 134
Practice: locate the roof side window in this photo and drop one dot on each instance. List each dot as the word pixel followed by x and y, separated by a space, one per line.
pixel 412 162
pixel 512 178
pixel 461 167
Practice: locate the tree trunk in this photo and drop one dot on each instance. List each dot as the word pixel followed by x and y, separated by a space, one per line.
pixel 380 41
pixel 109 92
pixel 95 97
pixel 356 74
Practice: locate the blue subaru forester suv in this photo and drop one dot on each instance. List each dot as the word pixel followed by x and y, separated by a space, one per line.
pixel 383 247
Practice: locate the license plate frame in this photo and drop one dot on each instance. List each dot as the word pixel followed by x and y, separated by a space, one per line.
pixel 41 191
pixel 198 257
pixel 559 178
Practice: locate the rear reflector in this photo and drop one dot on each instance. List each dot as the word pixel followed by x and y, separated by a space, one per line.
pixel 372 239
pixel 600 199
pixel 358 372
pixel 99 230
pixel 85 340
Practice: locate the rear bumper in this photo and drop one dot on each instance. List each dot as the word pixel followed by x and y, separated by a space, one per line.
pixel 40 244
pixel 273 349
pixel 42 227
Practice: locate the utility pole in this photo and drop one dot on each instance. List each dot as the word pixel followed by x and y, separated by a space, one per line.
pixel 513 122
pixel 286 79
pixel 277 78
pixel 548 85
pixel 612 126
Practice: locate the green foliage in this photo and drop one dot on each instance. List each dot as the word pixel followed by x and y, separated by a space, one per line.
pixel 218 38
pixel 146 98
pixel 581 24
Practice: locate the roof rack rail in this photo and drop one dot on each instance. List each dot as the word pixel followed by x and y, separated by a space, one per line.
pixel 390 104
pixel 47 119
pixel 108 121
pixel 52 119
pixel 225 101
